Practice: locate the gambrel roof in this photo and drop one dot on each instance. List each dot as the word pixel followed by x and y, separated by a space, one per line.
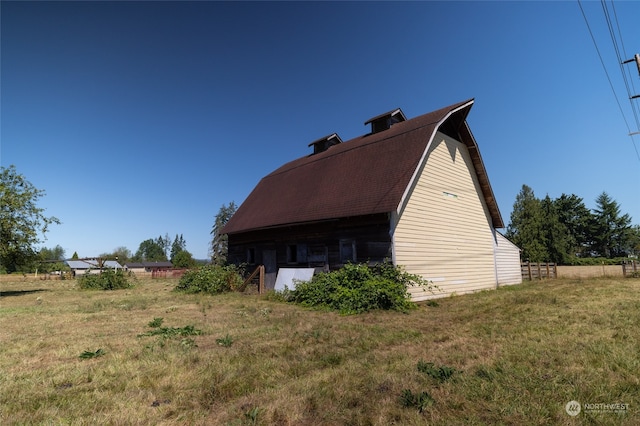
pixel 367 175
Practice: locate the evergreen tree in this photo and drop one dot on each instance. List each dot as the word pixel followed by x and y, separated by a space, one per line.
pixel 611 232
pixel 219 242
pixel 634 241
pixel 179 244
pixel 526 229
pixel 556 234
pixel 165 244
pixel 576 217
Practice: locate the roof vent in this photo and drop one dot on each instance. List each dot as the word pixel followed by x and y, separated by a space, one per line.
pixel 325 143
pixel 384 121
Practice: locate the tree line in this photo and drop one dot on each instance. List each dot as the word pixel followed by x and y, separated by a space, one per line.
pixel 565 231
pixel 160 249
pixel 23 225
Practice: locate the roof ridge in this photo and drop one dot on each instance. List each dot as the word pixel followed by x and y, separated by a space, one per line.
pixel 348 146
pixel 344 149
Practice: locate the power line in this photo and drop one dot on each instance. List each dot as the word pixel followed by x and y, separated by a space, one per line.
pixel 609 80
pixel 619 57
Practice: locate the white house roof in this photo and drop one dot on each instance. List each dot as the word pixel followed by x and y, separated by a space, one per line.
pixel 92 264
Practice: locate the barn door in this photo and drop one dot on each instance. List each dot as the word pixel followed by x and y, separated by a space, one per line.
pixel 270 269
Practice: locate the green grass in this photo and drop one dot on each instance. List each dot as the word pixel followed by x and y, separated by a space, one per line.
pixel 512 356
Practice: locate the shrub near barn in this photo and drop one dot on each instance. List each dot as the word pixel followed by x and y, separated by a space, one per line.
pixel 106 280
pixel 358 288
pixel 211 279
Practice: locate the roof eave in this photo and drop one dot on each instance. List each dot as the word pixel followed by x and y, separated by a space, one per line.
pixel 470 142
pixel 483 177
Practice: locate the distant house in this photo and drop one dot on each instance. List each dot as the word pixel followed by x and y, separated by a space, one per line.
pixel 414 191
pixel 142 267
pixel 90 266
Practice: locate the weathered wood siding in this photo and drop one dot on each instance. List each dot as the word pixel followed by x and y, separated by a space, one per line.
pixel 444 231
pixel 507 261
pixel 322 245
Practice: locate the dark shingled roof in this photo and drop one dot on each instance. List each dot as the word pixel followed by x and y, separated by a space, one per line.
pixel 366 175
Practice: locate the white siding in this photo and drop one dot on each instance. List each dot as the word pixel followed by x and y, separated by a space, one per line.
pixel 444 232
pixel 507 261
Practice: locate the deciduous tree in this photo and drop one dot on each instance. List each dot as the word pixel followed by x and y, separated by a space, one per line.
pixel 121 254
pixel 22 223
pixel 150 251
pixel 56 253
pixel 183 259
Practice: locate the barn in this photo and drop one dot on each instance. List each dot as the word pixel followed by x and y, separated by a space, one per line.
pixel 414 191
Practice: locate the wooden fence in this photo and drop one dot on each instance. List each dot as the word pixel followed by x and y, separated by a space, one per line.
pixel 538 270
pixel 166 273
pixel 631 268
pixel 257 278
pixel 542 270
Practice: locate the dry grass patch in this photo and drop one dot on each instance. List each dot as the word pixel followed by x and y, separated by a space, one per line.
pixel 516 356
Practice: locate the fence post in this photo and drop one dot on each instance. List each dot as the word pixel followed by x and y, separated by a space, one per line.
pixel 261 285
pixel 529 269
pixel 548 277
pixel 539 272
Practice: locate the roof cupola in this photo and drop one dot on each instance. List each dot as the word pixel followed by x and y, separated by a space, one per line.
pixel 384 121
pixel 325 143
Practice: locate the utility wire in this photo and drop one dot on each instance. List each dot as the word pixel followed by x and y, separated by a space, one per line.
pixel 621 58
pixel 608 78
pixel 624 52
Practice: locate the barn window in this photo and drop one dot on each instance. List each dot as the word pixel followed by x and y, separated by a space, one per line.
pixel 296 253
pixel 251 255
pixel 292 253
pixel 347 251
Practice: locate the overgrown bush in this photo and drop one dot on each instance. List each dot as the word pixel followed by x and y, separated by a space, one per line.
pixel 357 288
pixel 590 261
pixel 108 279
pixel 211 279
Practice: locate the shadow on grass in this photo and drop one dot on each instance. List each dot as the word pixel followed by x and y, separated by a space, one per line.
pixel 20 292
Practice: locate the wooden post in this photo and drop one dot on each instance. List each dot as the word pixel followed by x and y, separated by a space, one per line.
pixel 548 271
pixel 529 269
pixel 261 285
pixel 539 272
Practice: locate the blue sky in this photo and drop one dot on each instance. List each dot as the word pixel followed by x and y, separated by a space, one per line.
pixel 142 118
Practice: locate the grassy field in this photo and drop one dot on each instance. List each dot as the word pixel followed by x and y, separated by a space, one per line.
pixel 515 356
